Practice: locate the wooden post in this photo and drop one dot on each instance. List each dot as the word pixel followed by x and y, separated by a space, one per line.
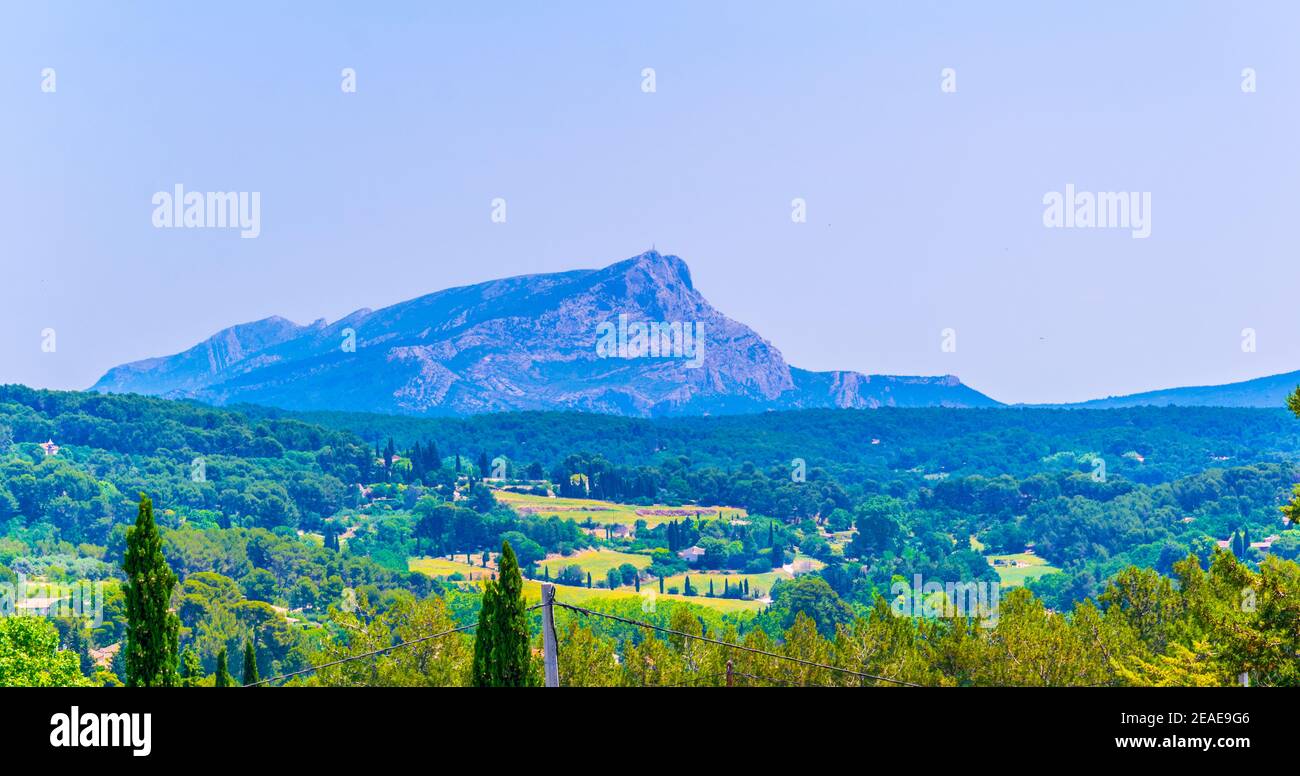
pixel 550 658
pixel 731 680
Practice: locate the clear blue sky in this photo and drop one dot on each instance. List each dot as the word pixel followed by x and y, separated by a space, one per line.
pixel 925 208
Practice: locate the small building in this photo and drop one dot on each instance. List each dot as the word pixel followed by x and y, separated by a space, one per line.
pixel 50 448
pixel 691 554
pixel 103 657
pixel 1266 545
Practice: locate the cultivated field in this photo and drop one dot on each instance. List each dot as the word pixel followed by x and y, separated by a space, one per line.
pixel 607 512
pixel 578 596
pixel 1024 567
pixel 596 562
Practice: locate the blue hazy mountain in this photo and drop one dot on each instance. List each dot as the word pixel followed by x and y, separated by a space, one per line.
pixel 520 343
pixel 1270 391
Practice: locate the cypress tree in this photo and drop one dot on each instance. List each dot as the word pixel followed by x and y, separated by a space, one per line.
pixel 637 582
pixel 661 585
pixel 152 630
pixel 191 668
pixel 501 645
pixel 588 579
pixel 250 663
pixel 223 673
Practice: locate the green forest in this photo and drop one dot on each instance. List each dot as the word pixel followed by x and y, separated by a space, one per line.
pixel 228 546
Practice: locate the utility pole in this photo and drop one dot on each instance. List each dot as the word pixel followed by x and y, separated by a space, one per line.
pixel 550 658
pixel 731 680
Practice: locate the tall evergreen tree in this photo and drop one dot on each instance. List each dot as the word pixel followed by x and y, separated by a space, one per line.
pixel 191 668
pixel 250 663
pixel 331 538
pixel 152 629
pixel 501 645
pixel 223 679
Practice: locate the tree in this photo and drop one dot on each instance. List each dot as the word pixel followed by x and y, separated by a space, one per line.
pixel 224 679
pixel 152 630
pixel 191 668
pixel 30 655
pixel 879 523
pixel 250 663
pixel 809 594
pixel 501 646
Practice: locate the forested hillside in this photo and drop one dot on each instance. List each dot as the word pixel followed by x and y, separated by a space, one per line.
pixel 306 537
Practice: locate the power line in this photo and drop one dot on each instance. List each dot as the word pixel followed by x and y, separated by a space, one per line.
pixel 693 683
pixel 743 648
pixel 778 681
pixel 374 653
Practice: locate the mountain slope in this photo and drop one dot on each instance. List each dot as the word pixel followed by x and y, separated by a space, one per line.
pixel 524 343
pixel 1270 391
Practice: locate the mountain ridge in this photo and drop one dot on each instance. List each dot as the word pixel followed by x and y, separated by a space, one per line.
pixel 1267 391
pixel 527 342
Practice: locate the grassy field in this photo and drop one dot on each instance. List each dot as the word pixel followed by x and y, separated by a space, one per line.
pixel 1031 567
pixel 578 596
pixel 441 567
pixel 607 512
pixel 596 562
pixel 700 582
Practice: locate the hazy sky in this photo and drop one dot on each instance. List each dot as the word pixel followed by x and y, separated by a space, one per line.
pixel 925 208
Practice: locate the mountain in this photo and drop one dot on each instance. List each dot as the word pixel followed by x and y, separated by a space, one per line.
pixel 1269 392
pixel 565 340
